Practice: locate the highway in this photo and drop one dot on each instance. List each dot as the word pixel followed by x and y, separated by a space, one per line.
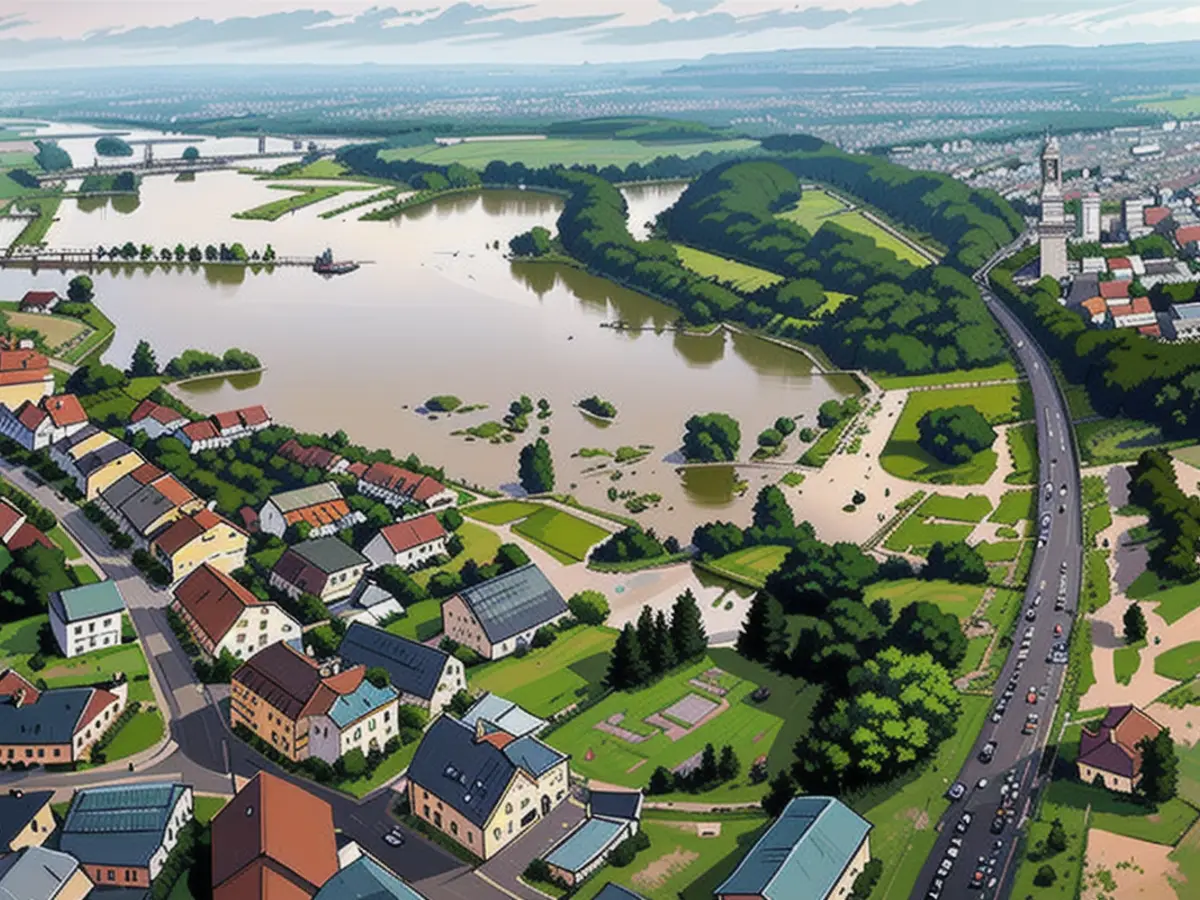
pixel 1052 599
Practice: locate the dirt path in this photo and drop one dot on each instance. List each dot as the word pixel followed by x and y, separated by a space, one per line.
pixel 1126 868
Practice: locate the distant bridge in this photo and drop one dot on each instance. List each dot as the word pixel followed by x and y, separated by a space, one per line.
pixel 76 257
pixel 150 166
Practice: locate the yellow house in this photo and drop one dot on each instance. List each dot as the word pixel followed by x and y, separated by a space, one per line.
pixel 483 787
pixel 202 537
pixel 24 375
pixel 26 819
pixel 100 469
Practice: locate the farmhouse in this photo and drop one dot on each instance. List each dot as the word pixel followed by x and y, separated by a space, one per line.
pixel 36 426
pixel 313 457
pixel 201 537
pixel 612 817
pixel 26 820
pixel 273 839
pixel 154 420
pixel 221 615
pixel 42 302
pixel 816 848
pixel 53 726
pixel 122 834
pixel 281 696
pixel 408 544
pixel 15 531
pixel 396 487
pixel 87 618
pixel 37 873
pixel 320 507
pixel 147 500
pixel 425 676
pixel 1111 753
pixel 325 567
pixel 483 788
pixel 499 615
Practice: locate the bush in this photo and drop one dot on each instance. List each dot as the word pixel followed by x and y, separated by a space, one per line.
pixel 955 435
pixel 1045 876
pixel 771 437
pixel 866 880
pixel 443 403
pixel 352 764
pixel 589 607
pixel 543 637
pixel 623 854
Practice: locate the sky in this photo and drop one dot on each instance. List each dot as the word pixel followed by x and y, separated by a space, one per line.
pixel 115 32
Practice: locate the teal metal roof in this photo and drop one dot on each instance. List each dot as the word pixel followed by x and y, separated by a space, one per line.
pixel 504 714
pixel 120 824
pixel 365 879
pixel 364 699
pixel 90 600
pixel 533 756
pixel 584 844
pixel 802 854
pixel 36 873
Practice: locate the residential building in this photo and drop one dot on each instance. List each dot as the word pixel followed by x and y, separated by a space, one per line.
pixel 146 501
pixel 222 429
pixel 198 436
pixel 327 567
pixel 26 819
pixel 123 833
pixel 155 420
pixel 1184 323
pixel 272 840
pixel 1109 751
pixel 37 873
pixel 56 726
pixel 66 451
pixel 15 531
pixel 202 537
pixel 1153 216
pixel 1138 313
pixel 321 507
pixel 1120 268
pixel 1115 292
pixel 357 470
pixel 313 457
pixel 397 487
pixel 815 849
pixel 1188 239
pixel 281 696
pixel 1095 310
pixel 499 615
pixel 368 603
pixel 617 892
pixel 484 787
pixel 25 375
pixel 42 302
pixel 87 617
pixel 612 817
pixel 365 879
pixel 1089 219
pixel 221 615
pixel 98 469
pixel 408 544
pixel 36 426
pixel 1134 214
pixel 505 715
pixel 424 676
pixel 1093 265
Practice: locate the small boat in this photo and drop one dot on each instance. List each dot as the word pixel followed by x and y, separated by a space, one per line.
pixel 326 265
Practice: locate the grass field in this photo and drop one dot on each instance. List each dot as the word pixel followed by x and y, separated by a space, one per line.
pixel 1126 662
pixel 731 273
pixel 502 512
pixel 141 732
pixel 546 681
pixel 1174 600
pixel 818 207
pixel 35 232
pixel 422 621
pixel 751 729
pixel 55 330
pixel 999 551
pixel 814 208
pixel 998 372
pixel 751 565
pixel 915 534
pixel 972 508
pixel 479 544
pixel 1106 441
pixel 903 456
pixel 959 599
pixel 1181 663
pixel 64 541
pixel 300 197
pixel 560 151
pixel 1022 450
pixel 858 222
pixel 1015 506
pixel 833 301
pixel 1111 812
pixel 565 537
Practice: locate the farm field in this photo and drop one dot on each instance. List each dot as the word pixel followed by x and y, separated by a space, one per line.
pixel 973 508
pixel 55 330
pixel 751 565
pixel 736 275
pixel 959 599
pixel 999 372
pixel 300 197
pixel 547 680
pixel 813 210
pixel 565 537
pixel 560 151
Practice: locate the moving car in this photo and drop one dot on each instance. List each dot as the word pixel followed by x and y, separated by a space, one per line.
pixel 394 838
pixel 1032 695
pixel 964 822
pixel 957 790
pixel 1030 726
pixel 986 754
pixel 998 824
pixel 1062 491
pixel 1058 630
pixel 981 784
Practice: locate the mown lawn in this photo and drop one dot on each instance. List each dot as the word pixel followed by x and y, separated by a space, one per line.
pixel 1111 812
pixel 1181 663
pixel 421 621
pixel 479 544
pixel 999 372
pixel 999 551
pixel 1126 662
pixel 917 535
pixel 752 564
pixel 205 808
pixel 731 273
pixel 972 508
pixel 959 599
pixel 501 512
pixel 813 210
pixel 566 537
pixel 1174 600
pixel 1014 507
pixel 140 733
pixel 1022 449
pixel 64 541
pixel 858 222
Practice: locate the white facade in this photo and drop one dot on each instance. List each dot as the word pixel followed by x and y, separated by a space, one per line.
pixel 180 816
pixel 1054 227
pixel 257 628
pixel 155 429
pixel 328 742
pixel 380 552
pixel 1135 320
pixel 41 437
pixel 1090 219
pixel 86 635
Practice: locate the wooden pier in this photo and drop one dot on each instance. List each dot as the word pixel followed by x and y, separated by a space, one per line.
pixel 71 258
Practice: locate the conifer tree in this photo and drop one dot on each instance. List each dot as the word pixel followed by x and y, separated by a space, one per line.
pixel 764 635
pixel 662 651
pixel 687 628
pixel 627 669
pixel 645 636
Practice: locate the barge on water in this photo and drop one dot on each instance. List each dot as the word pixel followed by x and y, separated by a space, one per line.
pixel 326 265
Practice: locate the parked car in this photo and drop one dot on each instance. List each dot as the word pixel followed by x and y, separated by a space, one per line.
pixel 957 790
pixel 394 838
pixel 986 754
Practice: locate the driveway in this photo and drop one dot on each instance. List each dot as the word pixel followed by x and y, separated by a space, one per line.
pixel 505 868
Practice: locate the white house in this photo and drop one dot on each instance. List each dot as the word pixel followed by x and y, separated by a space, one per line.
pixel 362 718
pixel 320 506
pixel 155 420
pixel 41 302
pixel 496 617
pixel 407 544
pixel 87 618
pixel 222 615
pixel 425 676
pixel 397 487
pixel 38 425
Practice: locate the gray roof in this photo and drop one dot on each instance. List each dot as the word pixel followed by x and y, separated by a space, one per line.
pixel 365 879
pixel 414 668
pixel 49 721
pixel 78 437
pixel 304 497
pixel 533 756
pixel 145 507
pixel 504 714
pixel 589 839
pixel 35 874
pixel 101 456
pixel 121 825
pixel 16 813
pixel 103 598
pixel 802 854
pixel 329 554
pixel 367 594
pixel 617 892
pixel 616 804
pixel 121 490
pixel 514 602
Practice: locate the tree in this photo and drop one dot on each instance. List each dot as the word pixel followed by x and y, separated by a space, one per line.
pixel 1160 768
pixel 785 425
pixel 714 437
pixel 143 363
pixel 627 668
pixel 728 765
pixel 1056 840
pixel 954 435
pixel 662 651
pixel 646 637
pixel 781 792
pixel 589 607
pixel 772 512
pixel 190 154
pixel 1135 623
pixel 111 145
pixel 180 253
pixel 956 562
pixel 716 539
pixel 687 628
pixel 922 627
pixel 378 676
pixel 661 781
pixel 81 289
pixel 707 772
pixel 459 703
pixel 1045 876
pixel 95 377
pixel 536 469
pixel 353 763
pixel 536 242
pixel 511 556
pixel 764 635
pixel 813 573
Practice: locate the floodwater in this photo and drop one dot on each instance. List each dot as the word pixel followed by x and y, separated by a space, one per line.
pixel 438 311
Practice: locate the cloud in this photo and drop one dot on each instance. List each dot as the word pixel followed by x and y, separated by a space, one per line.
pixel 719 25
pixel 16 20
pixel 690 6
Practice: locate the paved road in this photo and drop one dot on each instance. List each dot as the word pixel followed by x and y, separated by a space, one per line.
pixel 1056 567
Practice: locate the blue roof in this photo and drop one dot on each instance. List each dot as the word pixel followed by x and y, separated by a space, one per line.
pixel 363 700
pixel 414 668
pixel 49 721
pixel 514 602
pixel 121 824
pixel 468 775
pixel 505 714
pixel 1186 310
pixel 16 812
pixel 533 756
pixel 35 873
pixel 617 892
pixel 591 838
pixel 802 854
pixel 365 879
pixel 88 601
pixel 615 804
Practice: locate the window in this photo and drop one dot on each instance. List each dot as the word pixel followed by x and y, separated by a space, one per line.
pixel 262 625
pixel 427 810
pixel 108 622
pixel 371 725
pixel 508 809
pixel 387 715
pixel 112 875
pixel 358 733
pixel 454 828
pixel 470 837
pixel 79 629
pixel 496 833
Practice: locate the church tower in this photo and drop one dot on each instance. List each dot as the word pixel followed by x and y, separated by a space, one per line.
pixel 1053 228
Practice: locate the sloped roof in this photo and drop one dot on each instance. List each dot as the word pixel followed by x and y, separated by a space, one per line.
pixel 102 456
pixel 313 495
pixel 514 602
pixel 163 415
pixel 200 431
pixel 283 677
pixel 412 533
pixel 413 667
pixel 120 824
pixel 533 756
pixel 616 804
pixel 327 555
pixel 39 299
pixel 36 873
pixel 186 529
pixel 30 415
pixel 362 700
pixel 802 854
pixel 253 415
pixel 27 535
pixel 613 891
pixel 145 507
pixel 64 409
pixel 214 600
pixel 17 812
pixel 589 839
pixel 314 457
pixel 9 516
pixel 468 775
pixel 504 714
pixel 365 879
pixel 367 595
pixel 1187 235
pixel 89 600
pixel 1112 746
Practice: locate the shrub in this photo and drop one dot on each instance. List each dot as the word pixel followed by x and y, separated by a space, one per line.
pixel 589 607
pixel 1045 876
pixel 623 854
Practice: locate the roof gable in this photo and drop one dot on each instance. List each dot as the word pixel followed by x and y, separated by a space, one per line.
pixel 90 600
pixel 412 533
pixel 214 600
pixel 413 667
pixel 471 776
pixel 514 602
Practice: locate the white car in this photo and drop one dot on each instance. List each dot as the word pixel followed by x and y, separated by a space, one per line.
pixel 393 838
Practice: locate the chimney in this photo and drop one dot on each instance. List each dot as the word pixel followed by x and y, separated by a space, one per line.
pixel 479 729
pixel 19 697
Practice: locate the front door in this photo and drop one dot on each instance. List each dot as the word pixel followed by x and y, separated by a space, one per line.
pixel 545 806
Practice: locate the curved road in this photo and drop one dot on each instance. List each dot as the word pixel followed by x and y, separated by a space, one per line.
pixel 1056 573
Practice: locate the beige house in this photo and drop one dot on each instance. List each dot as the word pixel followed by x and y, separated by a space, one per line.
pixel 1110 752
pixel 483 787
pixel 26 819
pixel 499 615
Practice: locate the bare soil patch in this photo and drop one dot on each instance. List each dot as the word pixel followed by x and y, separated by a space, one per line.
pixel 657 872
pixel 1126 868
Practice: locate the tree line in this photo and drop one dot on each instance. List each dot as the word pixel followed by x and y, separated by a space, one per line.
pixel 234 252
pixel 1174 515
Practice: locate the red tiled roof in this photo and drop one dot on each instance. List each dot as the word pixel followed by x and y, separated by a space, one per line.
pixel 401 536
pixel 1122 309
pixel 30 416
pixel 214 600
pixel 38 299
pixel 9 516
pixel 249 518
pixel 427 488
pixel 253 415
pixel 96 704
pixel 26 536
pixel 146 473
pixel 1112 747
pixel 1095 305
pixel 22 366
pixel 319 514
pixel 1141 305
pixel 315 457
pixel 227 419
pixel 358 469
pixel 174 491
pixel 200 431
pixel 184 530
pixel 1188 235
pixel 1156 214
pixel 402 481
pixel 498 739
pixel 1119 262
pixel 1114 290
pixel 11 681
pixel 1150 331
pixel 64 410
pixel 163 415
